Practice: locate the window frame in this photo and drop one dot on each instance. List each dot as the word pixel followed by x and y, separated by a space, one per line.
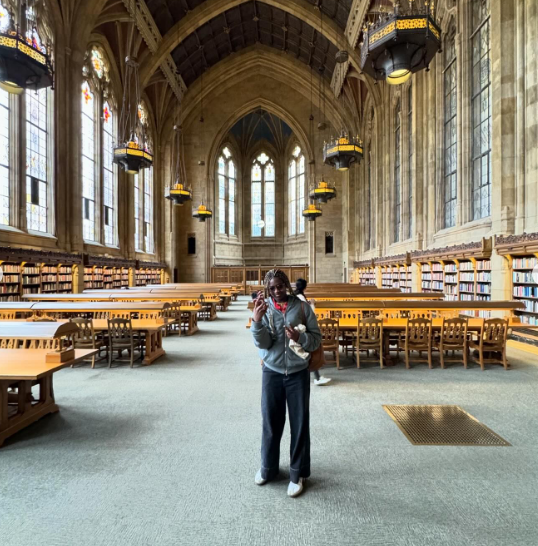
pixel 477 187
pixel 450 176
pixel 226 210
pixel 297 189
pixel 140 197
pixel 263 200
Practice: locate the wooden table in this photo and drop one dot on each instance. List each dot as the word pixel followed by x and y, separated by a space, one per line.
pixel 20 368
pixel 153 333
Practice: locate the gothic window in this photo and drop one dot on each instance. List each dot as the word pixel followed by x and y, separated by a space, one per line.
pixel 481 109
pixel 410 164
pixel 88 163
pixel 450 133
pixel 148 210
pixel 368 203
pixel 296 192
pixel 226 175
pixel 5 194
pixel 143 196
pixel 109 175
pixel 263 196
pixel 397 174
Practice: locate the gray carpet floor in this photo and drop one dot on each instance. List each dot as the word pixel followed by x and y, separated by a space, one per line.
pixel 166 455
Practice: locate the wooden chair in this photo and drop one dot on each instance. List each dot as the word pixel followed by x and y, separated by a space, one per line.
pixel 370 337
pixel 491 339
pixel 453 337
pixel 205 311
pixel 85 337
pixel 121 337
pixel 330 335
pixel 418 337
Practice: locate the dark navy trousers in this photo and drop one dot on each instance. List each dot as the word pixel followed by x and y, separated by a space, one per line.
pixel 279 390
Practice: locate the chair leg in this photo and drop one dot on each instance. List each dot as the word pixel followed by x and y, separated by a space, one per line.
pixel 110 354
pixel 358 358
pixel 481 359
pixel 465 356
pixel 430 358
pixel 505 362
pixel 407 359
pixel 131 354
pixel 93 362
pixel 442 357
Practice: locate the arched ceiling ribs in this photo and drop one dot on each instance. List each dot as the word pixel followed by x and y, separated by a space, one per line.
pixel 203 13
pixel 250 63
pixel 248 24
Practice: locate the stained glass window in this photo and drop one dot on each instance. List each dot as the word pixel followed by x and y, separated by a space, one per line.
pixel 397 174
pixel 481 109
pixel 296 192
pixel 148 210
pixel 226 175
pixel 98 62
pixel 110 176
pixel 4 157
pixel 410 165
pixel 88 163
pixel 136 186
pixel 36 160
pixel 450 134
pixel 263 180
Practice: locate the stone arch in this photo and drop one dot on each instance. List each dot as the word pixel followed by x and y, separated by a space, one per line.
pixel 243 65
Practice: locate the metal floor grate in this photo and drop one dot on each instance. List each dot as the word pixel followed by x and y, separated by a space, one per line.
pixel 442 426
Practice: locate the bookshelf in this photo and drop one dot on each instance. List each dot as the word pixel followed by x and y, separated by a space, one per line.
pixel 31 278
pixel 405 277
pixel 395 272
pixel 386 277
pixel 49 278
pixel 525 286
pixel 108 277
pixel 451 281
pixel 367 276
pixel 10 287
pixel 65 279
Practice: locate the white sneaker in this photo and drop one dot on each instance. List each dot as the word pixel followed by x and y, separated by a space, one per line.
pixel 295 489
pixel 322 380
pixel 258 479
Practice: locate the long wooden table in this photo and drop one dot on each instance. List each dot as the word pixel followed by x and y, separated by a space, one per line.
pixel 20 369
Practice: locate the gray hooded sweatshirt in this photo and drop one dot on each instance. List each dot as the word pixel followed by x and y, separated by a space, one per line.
pixel 273 344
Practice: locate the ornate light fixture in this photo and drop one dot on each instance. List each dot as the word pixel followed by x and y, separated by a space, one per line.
pixel 312 212
pixel 179 192
pixel 24 61
pixel 343 151
pixel 132 152
pixel 202 213
pixel 323 192
pixel 401 43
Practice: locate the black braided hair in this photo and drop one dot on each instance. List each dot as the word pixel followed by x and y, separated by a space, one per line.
pixel 276 274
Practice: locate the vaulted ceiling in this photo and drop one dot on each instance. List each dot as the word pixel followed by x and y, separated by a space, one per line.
pixel 246 25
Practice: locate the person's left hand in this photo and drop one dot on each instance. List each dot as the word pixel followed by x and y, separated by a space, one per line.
pixel 292 333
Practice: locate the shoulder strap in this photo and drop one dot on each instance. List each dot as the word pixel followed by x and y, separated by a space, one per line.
pixel 302 312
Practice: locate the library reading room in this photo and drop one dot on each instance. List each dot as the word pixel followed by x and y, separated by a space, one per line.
pixel 269 272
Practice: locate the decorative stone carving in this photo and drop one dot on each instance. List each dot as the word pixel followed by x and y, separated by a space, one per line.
pixel 9 254
pixel 481 249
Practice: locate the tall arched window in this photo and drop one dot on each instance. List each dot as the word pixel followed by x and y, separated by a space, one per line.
pixel 143 196
pixel 410 164
pixel 37 160
pixel 263 196
pixel 88 163
pixel 450 133
pixel 99 173
pixel 5 194
pixel 481 109
pixel 368 203
pixel 397 173
pixel 296 192
pixel 226 174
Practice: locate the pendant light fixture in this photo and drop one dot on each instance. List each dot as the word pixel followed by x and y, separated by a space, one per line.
pixel 343 151
pixel 179 192
pixel 25 63
pixel 202 212
pixel 132 152
pixel 402 42
pixel 312 212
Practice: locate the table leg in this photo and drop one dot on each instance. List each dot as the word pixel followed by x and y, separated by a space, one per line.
pixel 154 346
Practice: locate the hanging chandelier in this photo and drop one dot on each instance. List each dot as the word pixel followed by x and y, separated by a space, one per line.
pixel 312 212
pixel 343 151
pixel 323 192
pixel 179 192
pixel 202 213
pixel 401 43
pixel 132 152
pixel 24 61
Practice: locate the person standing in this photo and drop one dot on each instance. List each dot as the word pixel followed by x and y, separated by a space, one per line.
pixel 300 287
pixel 286 379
